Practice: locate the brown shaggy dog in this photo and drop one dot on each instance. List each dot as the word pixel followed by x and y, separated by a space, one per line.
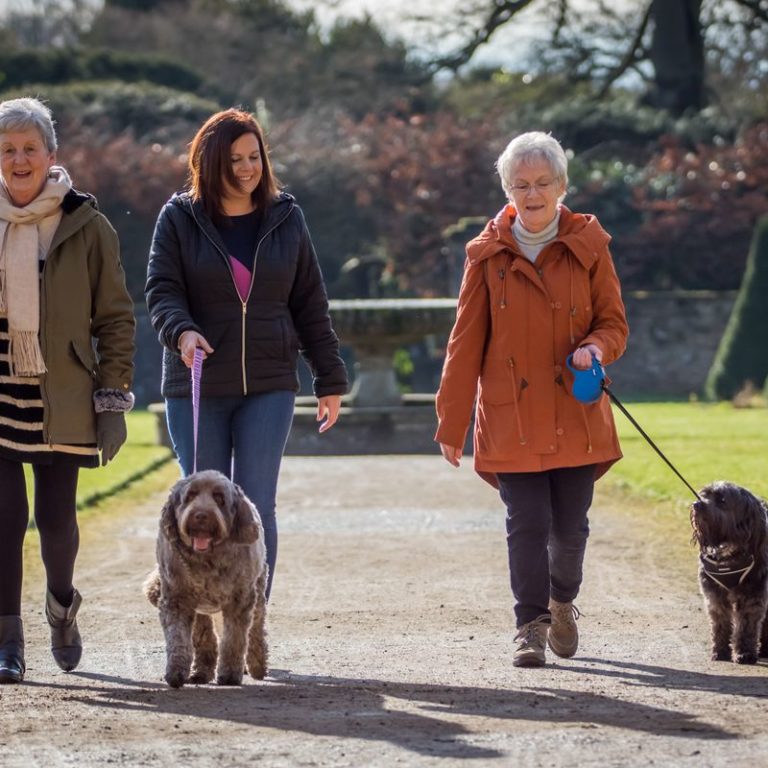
pixel 730 527
pixel 210 559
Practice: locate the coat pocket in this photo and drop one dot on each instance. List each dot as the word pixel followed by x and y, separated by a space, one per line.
pixel 500 428
pixel 85 356
pixel 500 382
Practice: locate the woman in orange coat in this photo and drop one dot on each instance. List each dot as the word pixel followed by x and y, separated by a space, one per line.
pixel 539 284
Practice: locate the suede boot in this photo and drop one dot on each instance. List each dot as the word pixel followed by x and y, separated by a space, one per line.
pixel 66 645
pixel 12 666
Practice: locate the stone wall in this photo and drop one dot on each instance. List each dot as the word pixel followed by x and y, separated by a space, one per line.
pixel 673 340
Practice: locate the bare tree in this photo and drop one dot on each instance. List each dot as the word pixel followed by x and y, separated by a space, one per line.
pixel 663 41
pixel 677 54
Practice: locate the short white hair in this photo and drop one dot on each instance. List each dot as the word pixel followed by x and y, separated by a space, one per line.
pixel 25 113
pixel 526 149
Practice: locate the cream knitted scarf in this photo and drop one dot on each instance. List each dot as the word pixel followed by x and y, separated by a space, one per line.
pixel 25 237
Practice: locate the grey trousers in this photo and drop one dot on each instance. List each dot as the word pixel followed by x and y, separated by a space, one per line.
pixel 547 531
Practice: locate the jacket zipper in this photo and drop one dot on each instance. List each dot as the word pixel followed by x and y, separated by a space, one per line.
pixel 243 302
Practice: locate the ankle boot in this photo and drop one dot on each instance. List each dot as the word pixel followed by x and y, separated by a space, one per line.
pixel 66 645
pixel 11 649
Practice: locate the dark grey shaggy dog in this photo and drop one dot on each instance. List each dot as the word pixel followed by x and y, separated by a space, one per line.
pixel 730 527
pixel 211 559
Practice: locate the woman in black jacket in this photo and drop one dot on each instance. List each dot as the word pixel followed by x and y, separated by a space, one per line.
pixel 232 270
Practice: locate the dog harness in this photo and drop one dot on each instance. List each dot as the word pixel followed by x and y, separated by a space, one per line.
pixel 730 574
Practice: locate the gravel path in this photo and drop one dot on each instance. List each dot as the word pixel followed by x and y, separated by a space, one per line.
pixel 390 629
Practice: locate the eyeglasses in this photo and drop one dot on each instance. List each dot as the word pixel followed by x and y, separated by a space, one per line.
pixel 540 186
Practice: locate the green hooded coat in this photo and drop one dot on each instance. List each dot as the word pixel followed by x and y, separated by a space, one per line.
pixel 87 326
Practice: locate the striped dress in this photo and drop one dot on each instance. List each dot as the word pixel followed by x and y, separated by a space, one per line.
pixel 21 418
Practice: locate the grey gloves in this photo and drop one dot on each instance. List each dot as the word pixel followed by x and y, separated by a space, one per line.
pixel 111 433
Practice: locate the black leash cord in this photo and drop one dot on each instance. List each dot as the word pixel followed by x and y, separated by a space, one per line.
pixel 653 445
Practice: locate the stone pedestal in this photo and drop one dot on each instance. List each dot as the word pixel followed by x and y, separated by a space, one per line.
pixel 375 417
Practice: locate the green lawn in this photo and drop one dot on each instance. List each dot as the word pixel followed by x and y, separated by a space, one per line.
pixel 137 457
pixel 706 442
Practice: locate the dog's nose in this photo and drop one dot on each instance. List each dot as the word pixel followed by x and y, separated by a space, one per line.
pixel 200 516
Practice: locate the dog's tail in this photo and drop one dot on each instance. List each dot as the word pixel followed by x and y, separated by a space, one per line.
pixel 151 587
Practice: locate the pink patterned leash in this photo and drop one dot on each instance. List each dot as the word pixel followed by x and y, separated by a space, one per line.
pixel 197 372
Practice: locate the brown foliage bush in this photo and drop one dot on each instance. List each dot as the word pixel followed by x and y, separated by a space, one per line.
pixel 699 206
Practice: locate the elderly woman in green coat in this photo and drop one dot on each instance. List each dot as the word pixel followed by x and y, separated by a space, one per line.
pixel 66 367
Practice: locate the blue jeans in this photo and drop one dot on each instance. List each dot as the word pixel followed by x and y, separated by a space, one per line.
pixel 242 437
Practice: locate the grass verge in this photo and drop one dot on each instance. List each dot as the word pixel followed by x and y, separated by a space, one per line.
pixel 705 441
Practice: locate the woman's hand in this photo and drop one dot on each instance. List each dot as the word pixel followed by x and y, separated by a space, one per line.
pixel 188 342
pixel 582 357
pixel 451 454
pixel 328 409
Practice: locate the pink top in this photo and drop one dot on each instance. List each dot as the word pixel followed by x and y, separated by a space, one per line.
pixel 242 277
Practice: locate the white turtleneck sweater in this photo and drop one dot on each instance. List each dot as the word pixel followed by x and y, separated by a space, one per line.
pixel 531 243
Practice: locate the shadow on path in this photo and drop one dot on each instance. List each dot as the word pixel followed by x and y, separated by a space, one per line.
pixel 649 675
pixel 415 717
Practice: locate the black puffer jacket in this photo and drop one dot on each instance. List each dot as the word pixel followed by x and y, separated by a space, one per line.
pixel 190 286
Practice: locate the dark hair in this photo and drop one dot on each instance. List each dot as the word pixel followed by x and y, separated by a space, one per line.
pixel 210 164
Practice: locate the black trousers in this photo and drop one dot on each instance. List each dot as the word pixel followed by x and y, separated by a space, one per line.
pixel 547 531
pixel 56 521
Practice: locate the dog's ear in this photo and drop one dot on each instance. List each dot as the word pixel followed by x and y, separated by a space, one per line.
pixel 245 523
pixel 168 523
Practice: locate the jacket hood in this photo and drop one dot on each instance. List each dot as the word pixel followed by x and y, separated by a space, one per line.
pixel 581 233
pixel 78 209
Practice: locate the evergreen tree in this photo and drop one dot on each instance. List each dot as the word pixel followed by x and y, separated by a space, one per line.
pixel 743 352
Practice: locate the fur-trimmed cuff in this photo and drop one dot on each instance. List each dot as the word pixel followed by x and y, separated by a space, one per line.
pixel 114 400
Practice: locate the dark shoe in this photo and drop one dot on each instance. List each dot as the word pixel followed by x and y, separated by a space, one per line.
pixel 11 649
pixel 563 634
pixel 531 641
pixel 66 645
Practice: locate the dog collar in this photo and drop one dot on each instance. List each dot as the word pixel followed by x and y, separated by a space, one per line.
pixel 727 575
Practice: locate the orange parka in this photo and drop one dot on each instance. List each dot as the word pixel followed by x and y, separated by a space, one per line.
pixel 516 324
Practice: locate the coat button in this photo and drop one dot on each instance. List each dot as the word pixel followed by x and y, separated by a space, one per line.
pixel 558 305
pixel 551 447
pixel 559 431
pixel 558 369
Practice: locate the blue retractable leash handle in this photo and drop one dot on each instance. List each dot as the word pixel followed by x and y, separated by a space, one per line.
pixel 589 384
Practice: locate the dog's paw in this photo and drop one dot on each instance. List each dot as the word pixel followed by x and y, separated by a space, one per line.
pixel 175 678
pixel 200 678
pixel 257 671
pixel 745 658
pixel 721 654
pixel 229 678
